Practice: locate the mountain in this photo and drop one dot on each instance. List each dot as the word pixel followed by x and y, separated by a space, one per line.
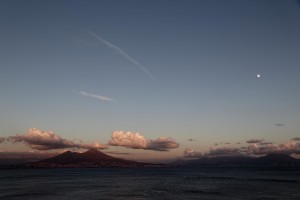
pixel 90 158
pixel 214 161
pixel 277 160
pixel 270 160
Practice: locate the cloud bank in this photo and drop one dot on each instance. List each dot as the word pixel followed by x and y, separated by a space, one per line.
pixel 137 141
pixel 224 152
pixel 263 149
pixel 47 140
pixel 101 98
pixel 121 52
pixel 256 147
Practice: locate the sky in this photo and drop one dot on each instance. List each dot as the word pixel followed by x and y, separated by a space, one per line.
pixel 150 79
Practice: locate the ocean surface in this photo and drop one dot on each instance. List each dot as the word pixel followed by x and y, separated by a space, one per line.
pixel 150 183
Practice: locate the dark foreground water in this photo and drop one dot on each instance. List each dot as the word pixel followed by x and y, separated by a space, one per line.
pixel 150 183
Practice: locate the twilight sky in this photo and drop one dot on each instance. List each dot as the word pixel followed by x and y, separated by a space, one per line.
pixel 150 79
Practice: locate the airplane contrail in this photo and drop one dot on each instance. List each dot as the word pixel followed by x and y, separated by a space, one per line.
pixel 99 97
pixel 122 53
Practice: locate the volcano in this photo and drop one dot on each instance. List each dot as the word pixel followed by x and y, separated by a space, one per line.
pixel 277 160
pixel 90 158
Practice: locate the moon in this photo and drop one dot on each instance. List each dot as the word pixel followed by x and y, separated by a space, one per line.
pixel 258 75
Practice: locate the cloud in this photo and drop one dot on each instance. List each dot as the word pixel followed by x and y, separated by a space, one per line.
pixel 162 144
pixel 296 138
pixel 255 148
pixel 279 124
pixel 215 152
pixel 47 140
pixel 265 148
pixel 265 143
pixel 287 148
pixel 137 141
pixel 101 98
pixel 224 152
pixel 190 153
pixel 128 139
pixel 255 141
pixel 121 52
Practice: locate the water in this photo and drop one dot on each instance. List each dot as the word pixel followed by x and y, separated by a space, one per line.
pixel 150 183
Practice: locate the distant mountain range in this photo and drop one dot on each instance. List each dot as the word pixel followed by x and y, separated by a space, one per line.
pixel 270 160
pixel 96 159
pixel 90 158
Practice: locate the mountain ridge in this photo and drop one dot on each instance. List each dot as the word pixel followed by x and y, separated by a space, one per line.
pixel 90 158
pixel 96 159
pixel 269 160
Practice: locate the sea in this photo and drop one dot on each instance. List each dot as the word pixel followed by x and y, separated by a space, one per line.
pixel 150 183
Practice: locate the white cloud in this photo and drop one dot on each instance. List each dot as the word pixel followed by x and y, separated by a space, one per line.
pixel 128 139
pixel 121 52
pixel 137 141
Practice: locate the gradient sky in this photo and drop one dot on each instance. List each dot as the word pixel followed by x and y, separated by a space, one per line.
pixel 179 69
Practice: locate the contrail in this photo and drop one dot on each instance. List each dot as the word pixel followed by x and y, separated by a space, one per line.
pixel 102 98
pixel 122 53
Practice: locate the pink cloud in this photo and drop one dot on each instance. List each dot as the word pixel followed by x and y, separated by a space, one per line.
pixel 47 140
pixel 256 147
pixel 190 153
pixel 137 141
